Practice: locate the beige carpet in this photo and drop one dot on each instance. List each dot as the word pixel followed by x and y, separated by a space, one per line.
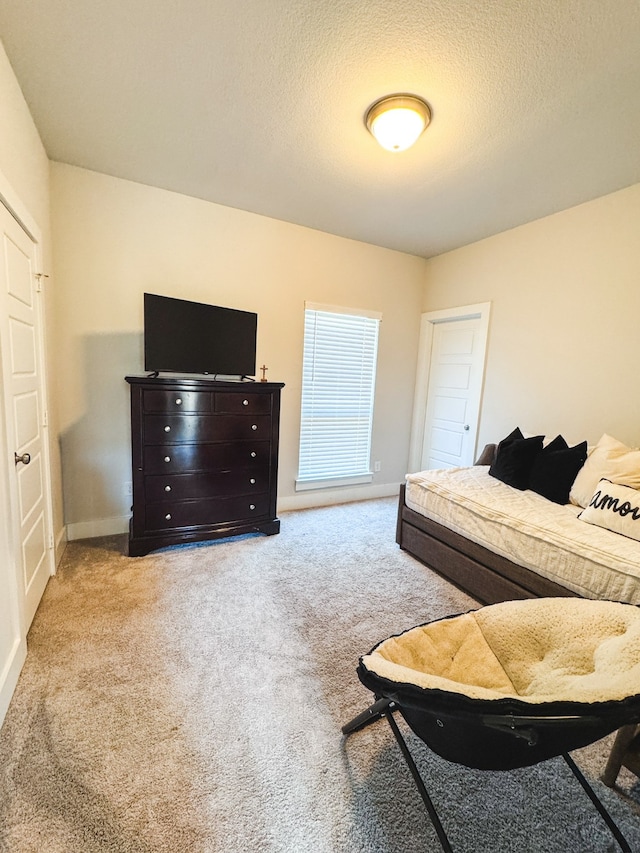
pixel 191 700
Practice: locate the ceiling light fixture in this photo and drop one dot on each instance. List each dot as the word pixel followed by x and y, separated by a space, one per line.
pixel 396 121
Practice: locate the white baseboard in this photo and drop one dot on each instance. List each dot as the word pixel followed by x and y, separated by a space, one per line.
pixel 60 545
pixel 328 497
pixel 97 527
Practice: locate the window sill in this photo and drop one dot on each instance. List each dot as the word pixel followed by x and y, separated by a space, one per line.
pixel 356 480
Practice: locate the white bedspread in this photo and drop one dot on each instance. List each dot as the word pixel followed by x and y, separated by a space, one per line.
pixel 529 530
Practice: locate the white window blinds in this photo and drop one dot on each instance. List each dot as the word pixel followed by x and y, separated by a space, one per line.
pixel 338 380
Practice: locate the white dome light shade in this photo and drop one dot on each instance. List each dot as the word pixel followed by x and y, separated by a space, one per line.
pixel 397 121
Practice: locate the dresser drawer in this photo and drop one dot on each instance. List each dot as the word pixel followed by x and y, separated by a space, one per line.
pixel 206 484
pixel 182 458
pixel 176 429
pixel 245 404
pixel 215 511
pixel 177 401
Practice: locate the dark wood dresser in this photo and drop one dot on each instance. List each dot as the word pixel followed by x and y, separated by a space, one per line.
pixel 204 460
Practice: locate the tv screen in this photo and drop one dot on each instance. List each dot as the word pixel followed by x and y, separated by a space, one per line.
pixel 191 337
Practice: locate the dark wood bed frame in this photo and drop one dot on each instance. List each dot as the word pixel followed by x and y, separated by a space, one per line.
pixel 482 574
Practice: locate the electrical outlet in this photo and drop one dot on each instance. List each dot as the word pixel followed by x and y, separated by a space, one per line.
pixel 376 466
pixel 128 488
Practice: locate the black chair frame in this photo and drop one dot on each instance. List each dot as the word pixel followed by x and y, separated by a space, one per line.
pixel 526 731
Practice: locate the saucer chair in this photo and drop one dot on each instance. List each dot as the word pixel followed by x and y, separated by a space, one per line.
pixel 509 685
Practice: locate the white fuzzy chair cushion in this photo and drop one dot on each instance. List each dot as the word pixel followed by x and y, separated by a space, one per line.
pixel 538 650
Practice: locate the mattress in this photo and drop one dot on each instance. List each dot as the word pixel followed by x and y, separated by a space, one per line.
pixel 529 530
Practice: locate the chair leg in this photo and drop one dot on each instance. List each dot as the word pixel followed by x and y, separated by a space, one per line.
pixel 604 814
pixel 618 750
pixel 435 820
pixel 384 708
pixel 373 713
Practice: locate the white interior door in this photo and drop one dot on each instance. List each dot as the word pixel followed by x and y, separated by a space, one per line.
pixel 23 401
pixel 449 387
pixel 13 646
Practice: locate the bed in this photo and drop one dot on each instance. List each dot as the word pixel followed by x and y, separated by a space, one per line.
pixel 498 543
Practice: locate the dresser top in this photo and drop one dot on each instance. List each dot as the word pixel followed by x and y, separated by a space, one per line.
pixel 202 383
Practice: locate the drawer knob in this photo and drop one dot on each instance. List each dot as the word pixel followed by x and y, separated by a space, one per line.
pixel 245 402
pixel 254 426
pixel 167 459
pixel 253 454
pixel 168 516
pixel 167 488
pixel 178 401
pixel 252 481
pixel 252 506
pixel 167 429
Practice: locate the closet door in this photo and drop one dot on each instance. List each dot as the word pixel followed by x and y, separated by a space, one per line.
pixel 24 415
pixel 449 383
pixel 455 375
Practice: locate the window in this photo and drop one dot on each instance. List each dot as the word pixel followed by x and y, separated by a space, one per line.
pixel 338 381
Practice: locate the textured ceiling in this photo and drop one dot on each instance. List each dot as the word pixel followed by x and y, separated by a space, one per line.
pixel 259 105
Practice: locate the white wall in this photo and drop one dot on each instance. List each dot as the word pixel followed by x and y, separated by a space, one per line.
pixel 565 293
pixel 115 239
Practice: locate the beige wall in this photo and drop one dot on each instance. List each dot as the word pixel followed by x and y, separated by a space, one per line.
pixel 565 293
pixel 115 239
pixel 25 168
pixel 22 157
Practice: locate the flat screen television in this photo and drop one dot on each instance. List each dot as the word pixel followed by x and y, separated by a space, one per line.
pixel 192 337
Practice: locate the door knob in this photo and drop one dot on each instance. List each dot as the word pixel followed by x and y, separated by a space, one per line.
pixel 466 427
pixel 25 458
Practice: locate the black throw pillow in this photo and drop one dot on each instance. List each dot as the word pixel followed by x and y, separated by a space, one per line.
pixel 555 469
pixel 514 459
